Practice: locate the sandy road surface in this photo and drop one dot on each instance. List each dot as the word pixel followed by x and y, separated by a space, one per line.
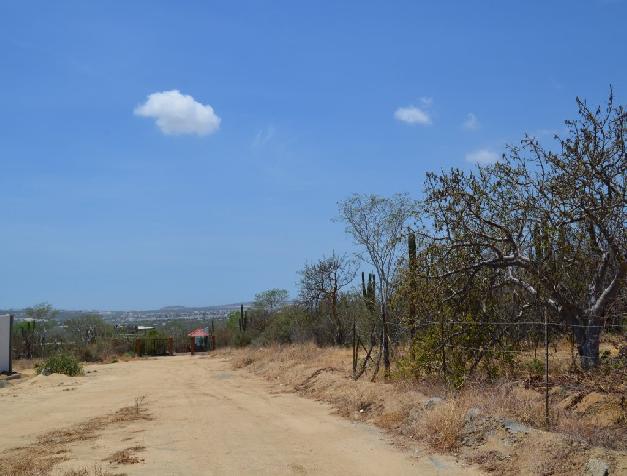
pixel 207 419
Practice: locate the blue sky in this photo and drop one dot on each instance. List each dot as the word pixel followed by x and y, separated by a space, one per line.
pixel 100 207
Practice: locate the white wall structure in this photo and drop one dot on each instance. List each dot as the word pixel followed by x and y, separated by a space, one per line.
pixel 5 342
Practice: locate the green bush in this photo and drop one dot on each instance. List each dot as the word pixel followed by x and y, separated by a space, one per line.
pixel 279 329
pixel 60 364
pixel 535 367
pixel 240 340
pixel 469 348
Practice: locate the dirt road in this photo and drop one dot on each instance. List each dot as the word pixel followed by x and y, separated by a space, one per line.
pixel 206 419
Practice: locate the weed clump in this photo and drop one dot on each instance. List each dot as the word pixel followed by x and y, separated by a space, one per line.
pixel 62 363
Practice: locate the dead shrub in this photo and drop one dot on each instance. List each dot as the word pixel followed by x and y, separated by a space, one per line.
pixel 243 361
pixel 139 404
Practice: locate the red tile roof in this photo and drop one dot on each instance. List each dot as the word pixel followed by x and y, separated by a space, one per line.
pixel 200 332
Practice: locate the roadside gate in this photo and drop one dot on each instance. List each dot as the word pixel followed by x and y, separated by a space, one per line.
pixel 154 346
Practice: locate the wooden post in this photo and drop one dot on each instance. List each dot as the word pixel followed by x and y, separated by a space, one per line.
pixel 443 346
pixel 355 348
pixel 138 347
pixel 213 342
pixel 171 345
pixel 386 343
pixel 546 370
pixel 192 345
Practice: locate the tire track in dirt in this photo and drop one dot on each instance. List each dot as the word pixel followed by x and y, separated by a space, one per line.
pixel 211 420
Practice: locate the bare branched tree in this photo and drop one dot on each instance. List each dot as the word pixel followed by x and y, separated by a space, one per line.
pixel 322 282
pixel 377 225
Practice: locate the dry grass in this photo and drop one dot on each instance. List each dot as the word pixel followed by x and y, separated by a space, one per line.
pixel 604 429
pixel 319 373
pixel 443 425
pixel 51 448
pixel 97 470
pixel 508 401
pixel 126 456
pixel 467 422
pixel 613 437
pixel 392 420
pixel 25 364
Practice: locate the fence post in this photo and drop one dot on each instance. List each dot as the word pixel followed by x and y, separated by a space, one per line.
pixel 443 346
pixel 546 369
pixel 171 345
pixel 138 347
pixel 213 342
pixel 192 345
pixel 355 348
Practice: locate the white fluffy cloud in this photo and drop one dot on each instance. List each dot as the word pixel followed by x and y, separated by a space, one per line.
pixel 412 115
pixel 482 157
pixel 471 123
pixel 177 113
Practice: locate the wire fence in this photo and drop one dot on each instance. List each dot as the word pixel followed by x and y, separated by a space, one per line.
pixel 551 328
pixel 103 347
pixel 522 338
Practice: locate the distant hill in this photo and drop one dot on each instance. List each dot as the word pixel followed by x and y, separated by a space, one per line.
pixel 204 308
pixel 64 314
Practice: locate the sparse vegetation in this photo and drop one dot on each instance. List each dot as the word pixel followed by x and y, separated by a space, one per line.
pixel 466 421
pixel 50 449
pixel 496 309
pixel 97 470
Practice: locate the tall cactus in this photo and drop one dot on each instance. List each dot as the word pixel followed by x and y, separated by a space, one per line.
pixel 369 291
pixel 243 318
pixel 413 284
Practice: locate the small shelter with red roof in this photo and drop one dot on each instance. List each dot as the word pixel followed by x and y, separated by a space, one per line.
pixel 199 340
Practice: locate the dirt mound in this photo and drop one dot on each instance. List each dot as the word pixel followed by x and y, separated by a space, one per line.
pixel 52 380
